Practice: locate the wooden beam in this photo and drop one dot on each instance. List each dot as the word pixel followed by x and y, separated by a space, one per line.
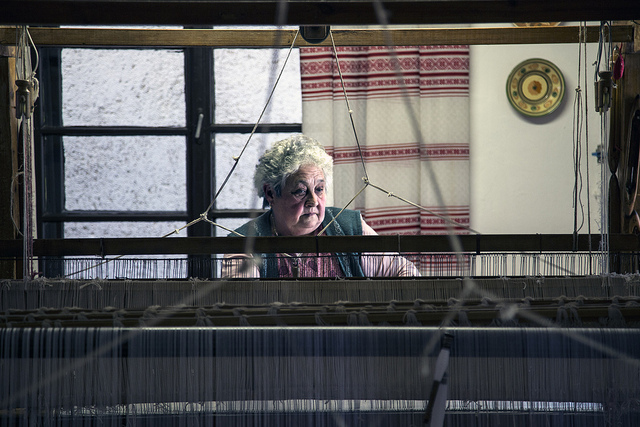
pixel 103 37
pixel 309 244
pixel 309 12
pixel 9 195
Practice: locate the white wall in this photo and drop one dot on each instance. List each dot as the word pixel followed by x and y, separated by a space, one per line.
pixel 522 173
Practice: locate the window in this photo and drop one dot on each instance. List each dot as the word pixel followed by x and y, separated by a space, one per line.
pixel 136 142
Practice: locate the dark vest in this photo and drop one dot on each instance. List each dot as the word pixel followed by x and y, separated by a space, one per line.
pixel 349 223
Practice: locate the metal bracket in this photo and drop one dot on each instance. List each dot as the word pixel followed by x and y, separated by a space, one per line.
pixel 315 33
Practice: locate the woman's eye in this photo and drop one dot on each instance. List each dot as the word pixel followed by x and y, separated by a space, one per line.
pixel 320 190
pixel 299 192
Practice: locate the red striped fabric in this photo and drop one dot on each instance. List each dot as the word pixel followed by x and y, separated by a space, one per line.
pixel 399 152
pixel 411 220
pixel 380 72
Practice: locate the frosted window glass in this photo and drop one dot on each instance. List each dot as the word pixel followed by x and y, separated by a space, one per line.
pixel 244 79
pixel 91 230
pixel 129 87
pixel 239 192
pixel 125 173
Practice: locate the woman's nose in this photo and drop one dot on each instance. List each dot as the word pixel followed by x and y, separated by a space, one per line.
pixel 312 199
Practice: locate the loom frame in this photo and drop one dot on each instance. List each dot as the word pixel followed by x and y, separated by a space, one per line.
pixel 315 12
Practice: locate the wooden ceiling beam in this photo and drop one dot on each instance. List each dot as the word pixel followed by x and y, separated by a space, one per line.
pixel 309 12
pixel 91 37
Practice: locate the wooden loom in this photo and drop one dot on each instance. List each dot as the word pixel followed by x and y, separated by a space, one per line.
pixel 526 350
pixel 101 352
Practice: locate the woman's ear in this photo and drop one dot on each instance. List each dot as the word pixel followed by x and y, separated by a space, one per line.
pixel 269 194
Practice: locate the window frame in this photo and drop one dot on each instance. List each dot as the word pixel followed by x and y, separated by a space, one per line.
pixel 49 132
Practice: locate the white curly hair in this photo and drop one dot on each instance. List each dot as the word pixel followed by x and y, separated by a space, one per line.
pixel 285 157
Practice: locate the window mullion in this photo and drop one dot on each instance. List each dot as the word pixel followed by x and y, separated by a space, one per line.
pixel 49 149
pixel 199 113
pixel 49 155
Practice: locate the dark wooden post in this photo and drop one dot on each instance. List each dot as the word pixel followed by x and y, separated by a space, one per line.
pixel 624 105
pixel 9 194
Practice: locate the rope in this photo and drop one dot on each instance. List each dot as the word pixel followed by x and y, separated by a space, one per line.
pixel 346 99
pixel 577 141
pixel 442 217
pixel 586 142
pixel 345 207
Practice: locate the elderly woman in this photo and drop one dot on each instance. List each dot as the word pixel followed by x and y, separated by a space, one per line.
pixel 293 177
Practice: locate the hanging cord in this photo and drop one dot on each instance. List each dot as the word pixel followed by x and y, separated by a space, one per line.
pixel 26 95
pixel 586 139
pixel 341 210
pixel 604 32
pixel 28 225
pixel 578 114
pixel 605 173
pixel 409 202
pixel 355 134
pixel 24 42
pixel 605 176
pixel 346 99
pixel 603 48
pixel 14 184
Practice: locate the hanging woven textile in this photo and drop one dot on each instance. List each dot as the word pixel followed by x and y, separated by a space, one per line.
pixel 410 112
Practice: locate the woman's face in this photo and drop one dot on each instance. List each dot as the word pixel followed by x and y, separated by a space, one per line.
pixel 300 208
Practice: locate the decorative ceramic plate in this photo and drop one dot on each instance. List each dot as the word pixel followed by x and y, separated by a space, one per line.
pixel 535 87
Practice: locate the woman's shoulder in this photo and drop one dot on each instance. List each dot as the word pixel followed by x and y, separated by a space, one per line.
pixel 256 227
pixel 348 212
pixel 348 221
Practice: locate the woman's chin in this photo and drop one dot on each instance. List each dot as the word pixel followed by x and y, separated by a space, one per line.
pixel 309 223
